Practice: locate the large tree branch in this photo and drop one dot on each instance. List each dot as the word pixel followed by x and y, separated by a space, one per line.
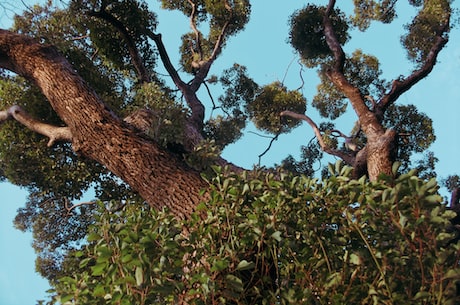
pixel 54 133
pixel 366 117
pixel 349 159
pixel 401 86
pixel 161 179
pixel 136 58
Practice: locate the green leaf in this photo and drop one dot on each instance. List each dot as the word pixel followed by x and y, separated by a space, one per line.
pixel 234 282
pixel 93 237
pixel 219 265
pixel 245 265
pixel 98 269
pixel 422 295
pixel 355 259
pixel 99 291
pixel 139 274
pixel 276 235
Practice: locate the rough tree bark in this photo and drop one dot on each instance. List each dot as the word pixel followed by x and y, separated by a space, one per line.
pixel 97 133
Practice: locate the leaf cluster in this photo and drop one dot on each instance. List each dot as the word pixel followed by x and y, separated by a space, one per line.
pixel 270 101
pixel 112 45
pixel 225 18
pixel 424 28
pixel 369 10
pixel 306 33
pixel 265 239
pixel 169 116
pixel 363 72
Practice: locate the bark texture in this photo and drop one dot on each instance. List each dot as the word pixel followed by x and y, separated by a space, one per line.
pixel 97 133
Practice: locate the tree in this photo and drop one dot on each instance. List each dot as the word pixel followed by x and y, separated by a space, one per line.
pixel 103 70
pixel 357 77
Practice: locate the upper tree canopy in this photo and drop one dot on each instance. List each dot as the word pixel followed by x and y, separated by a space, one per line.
pixel 82 78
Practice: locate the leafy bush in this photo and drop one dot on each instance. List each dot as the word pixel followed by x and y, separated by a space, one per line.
pixel 266 238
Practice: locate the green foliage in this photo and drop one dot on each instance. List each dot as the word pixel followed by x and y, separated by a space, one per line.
pixel 276 239
pixel 133 16
pixel 271 100
pixel 224 17
pixel 422 32
pixel 309 155
pixel 169 116
pixel 225 130
pixel 415 129
pixel 368 10
pixel 306 33
pixel 230 14
pixel 239 88
pixel 204 155
pixel 363 71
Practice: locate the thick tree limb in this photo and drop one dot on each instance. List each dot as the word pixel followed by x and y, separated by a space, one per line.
pixel 349 159
pixel 161 179
pixel 401 86
pixel 54 133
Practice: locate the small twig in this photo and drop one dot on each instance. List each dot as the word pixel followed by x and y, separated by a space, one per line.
pixel 301 76
pixel 269 146
pixel 260 135
pixel 287 70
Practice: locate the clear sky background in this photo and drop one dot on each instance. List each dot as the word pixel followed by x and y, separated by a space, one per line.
pixel 263 48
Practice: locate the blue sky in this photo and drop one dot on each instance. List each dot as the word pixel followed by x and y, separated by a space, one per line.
pixel 262 47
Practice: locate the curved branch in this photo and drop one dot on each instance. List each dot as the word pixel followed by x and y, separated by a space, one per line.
pixel 338 153
pixel 400 86
pixel 192 100
pixel 70 208
pixel 367 118
pixel 137 61
pixel 54 133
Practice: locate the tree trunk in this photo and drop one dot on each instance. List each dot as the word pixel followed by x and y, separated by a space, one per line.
pixel 380 154
pixel 97 133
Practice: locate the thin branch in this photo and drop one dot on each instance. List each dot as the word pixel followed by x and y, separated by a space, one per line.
pixel 54 133
pixel 401 86
pixel 273 139
pixel 136 58
pixel 167 61
pixel 195 30
pixel 70 208
pixel 260 135
pixel 301 76
pixel 343 155
pixel 287 70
